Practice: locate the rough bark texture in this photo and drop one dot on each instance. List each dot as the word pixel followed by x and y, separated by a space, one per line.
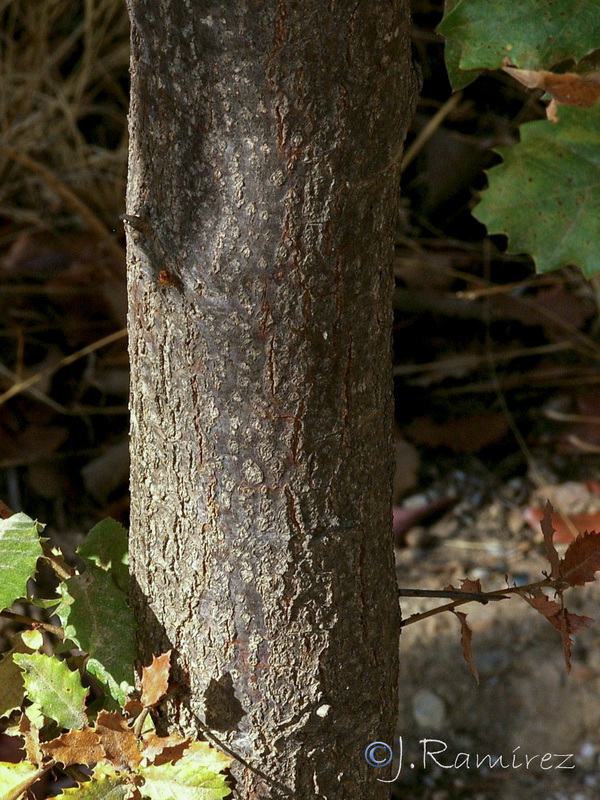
pixel 265 146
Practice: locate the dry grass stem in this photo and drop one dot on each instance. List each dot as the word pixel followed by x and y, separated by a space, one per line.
pixel 63 111
pixel 44 373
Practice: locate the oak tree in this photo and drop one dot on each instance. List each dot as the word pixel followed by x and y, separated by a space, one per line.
pixel 266 141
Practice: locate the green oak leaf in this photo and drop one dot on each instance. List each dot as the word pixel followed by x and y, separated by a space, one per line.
pixel 35 716
pixel 51 685
pixel 532 34
pixel 196 776
pixel 96 618
pixel 545 196
pixel 33 639
pixel 105 784
pixel 11 678
pixel 41 603
pixel 15 778
pixel 452 52
pixel 20 549
pixel 459 78
pixel 105 546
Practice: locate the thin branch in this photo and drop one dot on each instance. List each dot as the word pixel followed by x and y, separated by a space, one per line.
pixel 139 723
pixel 43 398
pixel 455 594
pixel 33 623
pixel 280 787
pixel 18 792
pixel 480 597
pixel 58 564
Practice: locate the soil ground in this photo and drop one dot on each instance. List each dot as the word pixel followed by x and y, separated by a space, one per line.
pixel 525 702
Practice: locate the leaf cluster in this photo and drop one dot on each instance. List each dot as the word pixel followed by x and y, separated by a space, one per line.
pixel 577 567
pixel 545 196
pixel 106 744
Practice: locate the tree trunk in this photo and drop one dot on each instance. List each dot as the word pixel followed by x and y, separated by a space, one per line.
pixel 263 177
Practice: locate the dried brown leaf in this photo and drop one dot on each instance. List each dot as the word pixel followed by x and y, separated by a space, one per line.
pixel 582 559
pixel 31 736
pixel 463 435
pixel 546 607
pixel 563 525
pixel 542 603
pixel 577 622
pixel 164 749
pixel 133 707
pixel 466 636
pixel 562 625
pixel 555 615
pixel 568 624
pixel 155 679
pixel 548 531
pixel 76 747
pixel 466 585
pixel 118 740
pixel 569 88
pixel 564 621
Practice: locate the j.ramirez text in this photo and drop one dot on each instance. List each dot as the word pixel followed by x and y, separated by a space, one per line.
pixel 435 752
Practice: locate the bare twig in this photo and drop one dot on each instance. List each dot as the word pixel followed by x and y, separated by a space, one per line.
pixel 139 723
pixel 19 791
pixel 480 597
pixel 33 623
pixel 59 566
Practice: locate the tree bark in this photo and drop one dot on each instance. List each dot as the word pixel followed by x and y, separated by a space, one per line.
pixel 263 177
